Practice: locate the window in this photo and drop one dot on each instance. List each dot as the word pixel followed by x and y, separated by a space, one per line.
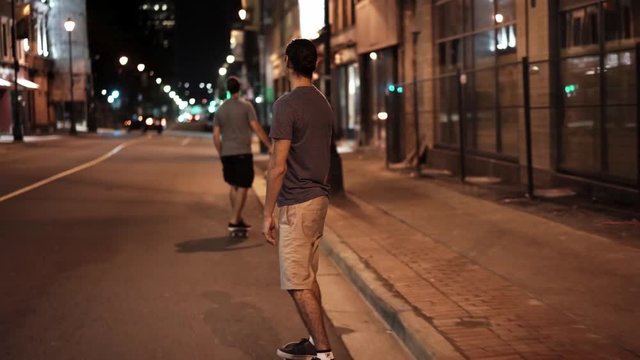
pixel 5 40
pixel 598 82
pixel 475 37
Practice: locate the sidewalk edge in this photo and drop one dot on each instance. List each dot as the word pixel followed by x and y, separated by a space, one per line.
pixel 422 340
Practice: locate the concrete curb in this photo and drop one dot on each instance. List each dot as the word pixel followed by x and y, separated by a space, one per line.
pixel 419 337
pixel 422 339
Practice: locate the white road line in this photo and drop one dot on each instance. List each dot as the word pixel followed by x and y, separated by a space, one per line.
pixel 185 141
pixel 74 170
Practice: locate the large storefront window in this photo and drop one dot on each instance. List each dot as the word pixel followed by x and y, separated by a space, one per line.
pixel 478 38
pixel 348 101
pixel 379 73
pixel 598 70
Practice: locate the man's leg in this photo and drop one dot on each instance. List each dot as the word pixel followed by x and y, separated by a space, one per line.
pixel 233 196
pixel 238 206
pixel 309 306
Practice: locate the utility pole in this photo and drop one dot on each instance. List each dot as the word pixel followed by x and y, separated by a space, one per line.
pixel 18 135
pixel 335 173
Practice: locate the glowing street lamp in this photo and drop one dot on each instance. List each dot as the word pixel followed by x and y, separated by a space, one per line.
pixel 159 81
pixel 167 89
pixel 141 67
pixel 123 60
pixel 69 26
pixel 222 71
pixel 242 14
pixel 231 59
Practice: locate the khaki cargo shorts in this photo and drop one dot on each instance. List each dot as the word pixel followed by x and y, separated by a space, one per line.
pixel 301 227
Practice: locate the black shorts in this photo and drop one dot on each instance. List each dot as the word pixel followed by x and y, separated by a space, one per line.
pixel 238 170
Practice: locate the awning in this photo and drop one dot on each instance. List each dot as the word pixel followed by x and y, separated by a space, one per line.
pixel 27 84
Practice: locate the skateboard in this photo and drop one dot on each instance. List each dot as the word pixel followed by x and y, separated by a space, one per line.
pixel 238 232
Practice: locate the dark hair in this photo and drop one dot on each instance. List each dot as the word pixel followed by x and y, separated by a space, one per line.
pixel 303 57
pixel 233 84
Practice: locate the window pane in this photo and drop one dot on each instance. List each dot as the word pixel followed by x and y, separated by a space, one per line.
pixel 580 27
pixel 581 83
pixel 447 111
pixel 580 142
pixel 483 14
pixel 509 131
pixel 482 129
pixel 622 142
pixel 484 48
pixel 507 9
pixel 619 19
pixel 621 78
pixel 510 85
pixel 450 56
pixel 449 23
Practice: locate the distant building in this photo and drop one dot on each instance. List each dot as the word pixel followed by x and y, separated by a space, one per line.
pixel 158 19
pixel 60 11
pixel 43 56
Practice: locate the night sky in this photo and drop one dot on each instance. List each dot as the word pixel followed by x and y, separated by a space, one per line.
pixel 201 38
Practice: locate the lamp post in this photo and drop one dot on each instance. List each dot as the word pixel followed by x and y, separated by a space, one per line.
pixel 18 135
pixel 69 26
pixel 123 60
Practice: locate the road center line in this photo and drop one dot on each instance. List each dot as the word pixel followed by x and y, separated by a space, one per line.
pixel 186 141
pixel 74 170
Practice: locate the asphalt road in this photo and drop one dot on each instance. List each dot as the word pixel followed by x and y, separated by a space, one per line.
pixel 130 258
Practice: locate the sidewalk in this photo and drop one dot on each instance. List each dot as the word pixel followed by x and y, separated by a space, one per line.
pixel 456 276
pixel 460 277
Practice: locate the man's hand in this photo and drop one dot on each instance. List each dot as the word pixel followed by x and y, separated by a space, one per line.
pixel 270 230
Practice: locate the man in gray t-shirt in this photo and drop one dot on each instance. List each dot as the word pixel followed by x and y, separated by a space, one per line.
pixel 297 182
pixel 234 122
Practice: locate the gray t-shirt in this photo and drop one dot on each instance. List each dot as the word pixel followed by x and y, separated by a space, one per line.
pixel 305 117
pixel 234 119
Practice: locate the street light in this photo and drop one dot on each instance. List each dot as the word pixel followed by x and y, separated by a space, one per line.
pixel 159 81
pixel 141 67
pixel 18 134
pixel 124 60
pixel 222 71
pixel 69 26
pixel 231 59
pixel 167 89
pixel 242 14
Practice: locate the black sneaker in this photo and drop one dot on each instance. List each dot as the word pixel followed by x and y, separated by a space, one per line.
pixel 243 224
pixel 233 227
pixel 301 350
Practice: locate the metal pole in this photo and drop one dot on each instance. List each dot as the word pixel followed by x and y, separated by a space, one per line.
pixel 327 52
pixel 527 125
pixel 638 122
pixel 72 116
pixel 461 124
pixel 18 134
pixel 416 116
pixel 336 180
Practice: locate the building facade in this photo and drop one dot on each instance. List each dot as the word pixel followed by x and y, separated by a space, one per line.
pixel 450 76
pixel 581 72
pixel 43 79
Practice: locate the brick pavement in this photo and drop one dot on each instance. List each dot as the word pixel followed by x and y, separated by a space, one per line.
pixel 482 314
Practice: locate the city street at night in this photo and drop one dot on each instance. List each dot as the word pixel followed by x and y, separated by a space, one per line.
pixel 319 180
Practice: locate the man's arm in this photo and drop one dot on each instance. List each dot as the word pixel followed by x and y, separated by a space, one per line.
pixel 262 135
pixel 216 140
pixel 275 178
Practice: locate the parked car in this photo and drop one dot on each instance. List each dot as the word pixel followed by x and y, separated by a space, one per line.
pixel 146 123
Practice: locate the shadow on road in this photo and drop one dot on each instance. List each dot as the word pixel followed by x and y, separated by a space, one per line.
pixel 219 244
pixel 233 322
